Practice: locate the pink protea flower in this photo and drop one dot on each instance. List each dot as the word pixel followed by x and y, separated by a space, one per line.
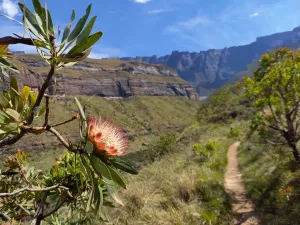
pixel 108 138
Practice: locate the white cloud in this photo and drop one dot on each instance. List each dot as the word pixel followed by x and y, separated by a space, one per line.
pixel 141 1
pixel 195 21
pixel 158 11
pixel 189 24
pixel 254 14
pixel 101 51
pixel 9 7
pixel 95 55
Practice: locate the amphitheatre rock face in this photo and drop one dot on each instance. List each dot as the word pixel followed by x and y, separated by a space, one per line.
pixel 106 78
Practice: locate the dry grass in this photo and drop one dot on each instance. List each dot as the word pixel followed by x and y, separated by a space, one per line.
pixel 179 188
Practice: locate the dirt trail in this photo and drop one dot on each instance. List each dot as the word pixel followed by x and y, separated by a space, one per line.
pixel 241 205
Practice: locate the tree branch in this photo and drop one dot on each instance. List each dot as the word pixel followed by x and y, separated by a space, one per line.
pixel 32 190
pixel 62 140
pixel 47 110
pixel 11 140
pixel 41 94
pixel 9 40
pixel 67 121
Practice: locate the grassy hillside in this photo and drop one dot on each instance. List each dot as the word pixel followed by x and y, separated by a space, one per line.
pixel 144 118
pixel 179 186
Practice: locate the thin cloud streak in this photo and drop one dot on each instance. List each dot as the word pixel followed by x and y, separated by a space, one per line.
pixel 159 11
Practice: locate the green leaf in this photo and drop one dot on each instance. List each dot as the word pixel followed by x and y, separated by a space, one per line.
pixel 89 147
pixel 10 128
pixel 100 167
pixel 31 22
pixel 39 12
pixel 68 29
pixel 41 111
pixel 82 115
pixel 75 58
pixel 49 22
pixel 25 93
pixel 117 178
pixel 41 44
pixel 80 24
pixel 32 98
pixel 87 31
pixel 13 114
pixel 112 192
pixel 20 103
pixel 4 118
pixel 5 63
pixel 87 43
pixel 98 195
pixel 3 101
pixel 14 84
pixel 3 71
pixel 91 197
pixel 124 166
pixel 86 166
pixel 14 95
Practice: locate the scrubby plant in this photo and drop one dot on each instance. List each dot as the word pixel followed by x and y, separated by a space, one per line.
pixel 205 151
pixel 81 180
pixel 224 105
pixel 234 133
pixel 164 145
pixel 275 91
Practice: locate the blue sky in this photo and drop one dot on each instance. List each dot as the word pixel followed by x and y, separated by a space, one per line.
pixel 148 27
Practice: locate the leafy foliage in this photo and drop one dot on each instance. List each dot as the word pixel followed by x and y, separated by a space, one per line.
pixel 5 64
pixel 225 104
pixel 15 107
pixel 205 151
pixel 82 180
pixel 275 90
pixel 234 133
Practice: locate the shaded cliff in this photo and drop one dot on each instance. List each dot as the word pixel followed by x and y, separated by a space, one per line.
pixel 211 69
pixel 107 78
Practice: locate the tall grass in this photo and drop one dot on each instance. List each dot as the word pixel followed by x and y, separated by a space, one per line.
pixel 179 187
pixel 272 181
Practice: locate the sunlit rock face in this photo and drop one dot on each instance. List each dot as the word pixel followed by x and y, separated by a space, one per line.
pixel 212 68
pixel 106 78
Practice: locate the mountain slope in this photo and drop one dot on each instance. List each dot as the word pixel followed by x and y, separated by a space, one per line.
pixel 212 68
pixel 106 78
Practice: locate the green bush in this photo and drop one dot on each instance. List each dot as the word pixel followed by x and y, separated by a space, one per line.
pixel 205 151
pixel 164 145
pixel 234 133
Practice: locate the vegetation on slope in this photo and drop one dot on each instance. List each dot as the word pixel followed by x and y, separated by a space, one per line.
pixel 180 186
pixel 272 181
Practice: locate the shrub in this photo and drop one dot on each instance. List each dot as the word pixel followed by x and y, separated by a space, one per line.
pixel 234 133
pixel 164 145
pixel 205 151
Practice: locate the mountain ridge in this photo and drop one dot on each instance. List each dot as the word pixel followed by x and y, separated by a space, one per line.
pixel 105 78
pixel 209 70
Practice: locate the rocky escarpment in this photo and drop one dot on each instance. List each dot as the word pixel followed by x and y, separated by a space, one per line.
pixel 212 68
pixel 107 78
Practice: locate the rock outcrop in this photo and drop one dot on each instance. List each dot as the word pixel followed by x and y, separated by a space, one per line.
pixel 212 68
pixel 107 78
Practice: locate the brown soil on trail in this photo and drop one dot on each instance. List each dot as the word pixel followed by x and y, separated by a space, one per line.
pixel 242 206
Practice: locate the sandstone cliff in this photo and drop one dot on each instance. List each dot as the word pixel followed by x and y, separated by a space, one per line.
pixel 107 78
pixel 212 68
